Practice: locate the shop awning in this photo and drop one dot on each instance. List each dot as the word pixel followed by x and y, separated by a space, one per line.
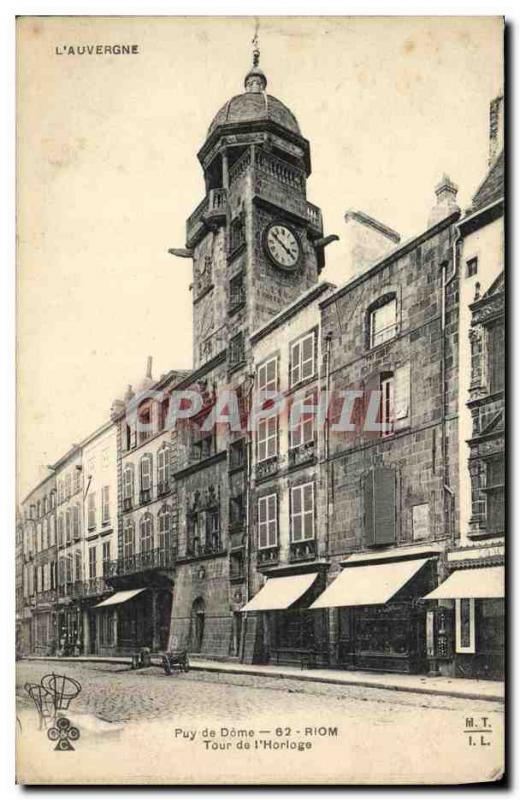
pixel 280 593
pixel 369 585
pixel 119 597
pixel 481 582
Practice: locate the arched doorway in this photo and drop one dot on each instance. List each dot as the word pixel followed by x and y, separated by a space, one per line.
pixel 197 625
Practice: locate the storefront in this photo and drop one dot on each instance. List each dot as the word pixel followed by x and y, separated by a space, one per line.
pixel 474 596
pixel 132 619
pixel 290 632
pixel 381 617
pixel 44 633
pixel 70 631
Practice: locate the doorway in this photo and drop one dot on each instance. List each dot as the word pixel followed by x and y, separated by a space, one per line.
pixel 197 625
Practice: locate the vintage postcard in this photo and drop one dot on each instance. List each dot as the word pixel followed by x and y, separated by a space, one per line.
pixel 261 311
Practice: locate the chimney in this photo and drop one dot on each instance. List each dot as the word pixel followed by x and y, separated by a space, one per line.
pixel 496 128
pixel 446 194
pixel 149 367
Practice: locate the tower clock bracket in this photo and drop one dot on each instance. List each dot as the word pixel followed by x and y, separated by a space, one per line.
pixel 320 245
pixel 181 252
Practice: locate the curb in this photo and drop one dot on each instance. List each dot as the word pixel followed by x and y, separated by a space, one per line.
pixel 256 673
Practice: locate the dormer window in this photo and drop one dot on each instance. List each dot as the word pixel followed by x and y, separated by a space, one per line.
pixel 382 321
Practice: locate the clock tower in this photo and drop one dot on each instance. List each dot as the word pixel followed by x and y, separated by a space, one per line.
pixel 255 240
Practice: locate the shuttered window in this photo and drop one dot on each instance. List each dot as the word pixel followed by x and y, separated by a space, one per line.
pixel 302 512
pixel 146 473
pixel 91 516
pixel 302 359
pixel 163 468
pixel 267 438
pixel 128 539
pixel 303 431
pixel 267 521
pixel 105 504
pixel 146 533
pixel 380 507
pixel 402 397
pixel 128 483
pixel 92 562
pixel 267 376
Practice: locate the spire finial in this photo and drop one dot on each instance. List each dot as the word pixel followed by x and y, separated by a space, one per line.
pixel 256 48
pixel 255 80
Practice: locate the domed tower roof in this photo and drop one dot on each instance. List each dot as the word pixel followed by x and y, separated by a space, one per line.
pixel 254 104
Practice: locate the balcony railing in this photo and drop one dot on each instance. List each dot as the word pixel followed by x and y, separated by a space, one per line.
pixel 267 556
pixel 95 586
pixel 302 454
pixel 145 496
pixel 212 209
pixel 127 503
pixel 302 551
pixel 195 548
pixel 264 469
pixel 141 562
pixel 163 487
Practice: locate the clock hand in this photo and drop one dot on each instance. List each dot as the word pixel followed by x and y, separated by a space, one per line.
pixel 280 242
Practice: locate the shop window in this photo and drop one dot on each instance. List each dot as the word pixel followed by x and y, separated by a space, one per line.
pixel 303 361
pixel 380 507
pixel 465 625
pixel 495 357
pixel 382 320
pixel 495 495
pixel 302 512
pixel 267 521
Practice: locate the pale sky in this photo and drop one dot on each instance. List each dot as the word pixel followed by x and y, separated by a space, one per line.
pixel 108 174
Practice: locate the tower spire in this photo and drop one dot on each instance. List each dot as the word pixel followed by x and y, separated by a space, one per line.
pixel 255 80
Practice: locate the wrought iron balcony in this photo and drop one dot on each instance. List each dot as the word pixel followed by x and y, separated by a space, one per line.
pixel 302 454
pixel 127 503
pixel 302 551
pixel 145 496
pixel 163 487
pixel 142 562
pixel 95 586
pixel 196 549
pixel 267 556
pixel 212 209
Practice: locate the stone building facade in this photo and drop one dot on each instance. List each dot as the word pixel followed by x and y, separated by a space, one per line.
pixel 37 582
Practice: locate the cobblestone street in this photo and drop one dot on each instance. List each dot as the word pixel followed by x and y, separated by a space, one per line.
pixel 165 723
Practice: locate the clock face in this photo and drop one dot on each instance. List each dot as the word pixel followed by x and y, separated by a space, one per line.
pixel 282 245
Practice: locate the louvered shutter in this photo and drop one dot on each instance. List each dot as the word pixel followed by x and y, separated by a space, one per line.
pixel 369 510
pixel 402 397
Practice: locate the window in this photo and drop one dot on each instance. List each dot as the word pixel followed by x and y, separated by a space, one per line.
pixel 236 292
pixel 302 359
pixel 237 452
pixel 267 376
pixel 61 531
pixel 146 474
pixel 128 539
pixel 128 486
pixel 68 569
pixel 68 525
pixel 92 562
pixel 495 479
pixel 236 349
pixel 165 519
pixel 267 521
pixel 213 529
pixel 106 627
pixel 52 531
pixel 383 322
pixel 105 505
pixel 237 511
pixel 302 512
pixel 471 267
pixel 237 232
pixel 91 513
pixel 77 479
pixel 144 417
pixel 106 558
pixel 76 521
pixel 77 566
pixel 380 505
pixel 146 533
pixel 303 432
pixel 68 486
pixel 45 504
pixel 465 625
pixel 267 438
pixel 39 509
pixel 387 404
pixel 495 357
pixel 163 470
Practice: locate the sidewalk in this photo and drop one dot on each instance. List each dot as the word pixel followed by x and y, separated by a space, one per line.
pixel 423 684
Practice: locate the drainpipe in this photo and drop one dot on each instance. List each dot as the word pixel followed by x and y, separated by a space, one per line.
pixel 446 281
